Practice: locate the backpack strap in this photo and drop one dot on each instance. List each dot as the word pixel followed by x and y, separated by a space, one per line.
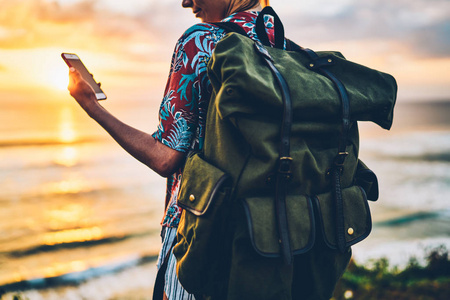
pixel 319 64
pixel 283 172
pixel 261 28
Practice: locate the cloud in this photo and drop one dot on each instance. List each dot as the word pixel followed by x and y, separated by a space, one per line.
pixel 37 23
pixel 138 42
pixel 433 40
pixel 87 25
pixel 422 25
pixel 148 27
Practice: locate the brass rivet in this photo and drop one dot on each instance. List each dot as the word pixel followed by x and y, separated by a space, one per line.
pixel 350 231
pixel 330 60
pixel 311 65
pixel 192 198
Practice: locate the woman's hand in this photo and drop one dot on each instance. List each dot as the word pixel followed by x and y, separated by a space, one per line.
pixel 82 91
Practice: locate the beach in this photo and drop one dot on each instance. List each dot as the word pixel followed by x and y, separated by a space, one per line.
pixel 80 217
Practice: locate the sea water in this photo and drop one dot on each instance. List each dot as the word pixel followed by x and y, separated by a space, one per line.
pixel 79 217
pixel 412 216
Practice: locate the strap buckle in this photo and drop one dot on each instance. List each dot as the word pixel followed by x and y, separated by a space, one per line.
pixel 340 159
pixel 284 166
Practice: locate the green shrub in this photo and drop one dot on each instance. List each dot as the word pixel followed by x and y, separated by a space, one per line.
pixel 415 282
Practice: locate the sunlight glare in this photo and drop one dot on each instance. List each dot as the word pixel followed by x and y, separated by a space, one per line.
pixel 72 185
pixel 73 236
pixel 57 76
pixel 67 133
pixel 69 215
pixel 47 68
pixel 68 157
pixel 54 72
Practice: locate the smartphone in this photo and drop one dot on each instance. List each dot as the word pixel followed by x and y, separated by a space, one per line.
pixel 72 60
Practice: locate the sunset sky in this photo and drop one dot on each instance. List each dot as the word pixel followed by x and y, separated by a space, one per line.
pixel 128 44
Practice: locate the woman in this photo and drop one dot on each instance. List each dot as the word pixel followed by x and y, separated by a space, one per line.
pixel 182 112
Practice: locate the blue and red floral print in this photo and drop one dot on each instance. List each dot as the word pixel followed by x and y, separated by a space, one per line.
pixel 182 115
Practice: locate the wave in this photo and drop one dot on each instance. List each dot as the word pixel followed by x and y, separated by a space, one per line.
pixel 425 157
pixel 47 142
pixel 76 278
pixel 403 220
pixel 49 248
pixel 67 273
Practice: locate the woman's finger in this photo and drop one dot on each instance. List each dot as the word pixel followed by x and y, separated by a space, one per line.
pixel 74 73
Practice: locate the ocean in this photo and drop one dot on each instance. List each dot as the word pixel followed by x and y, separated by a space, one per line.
pixel 79 217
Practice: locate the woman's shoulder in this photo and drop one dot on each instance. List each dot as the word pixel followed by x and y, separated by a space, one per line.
pixel 201 29
pixel 213 33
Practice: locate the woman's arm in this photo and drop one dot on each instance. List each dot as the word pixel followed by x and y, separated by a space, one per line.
pixel 160 158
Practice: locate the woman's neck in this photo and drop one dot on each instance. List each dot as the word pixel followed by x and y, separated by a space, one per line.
pixel 256 8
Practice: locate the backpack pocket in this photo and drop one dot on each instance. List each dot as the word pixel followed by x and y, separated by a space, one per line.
pixel 262 224
pixel 357 219
pixel 200 235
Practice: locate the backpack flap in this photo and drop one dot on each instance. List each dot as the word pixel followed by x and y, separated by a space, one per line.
pixel 357 219
pixel 262 224
pixel 243 84
pixel 200 244
pixel 200 185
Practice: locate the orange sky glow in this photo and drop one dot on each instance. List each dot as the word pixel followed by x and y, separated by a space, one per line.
pixel 128 48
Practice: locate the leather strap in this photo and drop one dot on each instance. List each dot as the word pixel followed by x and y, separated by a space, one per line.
pixel 319 64
pixel 261 28
pixel 283 174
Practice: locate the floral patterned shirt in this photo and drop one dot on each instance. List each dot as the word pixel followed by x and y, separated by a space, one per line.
pixel 182 115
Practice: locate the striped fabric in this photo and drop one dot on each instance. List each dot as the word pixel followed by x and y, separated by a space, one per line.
pixel 172 287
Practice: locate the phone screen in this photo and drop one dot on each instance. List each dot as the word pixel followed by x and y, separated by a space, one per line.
pixel 72 60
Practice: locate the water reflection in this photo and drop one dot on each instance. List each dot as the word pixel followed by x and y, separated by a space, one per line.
pixel 67 133
pixel 68 157
pixel 71 215
pixel 58 269
pixel 73 185
pixel 73 236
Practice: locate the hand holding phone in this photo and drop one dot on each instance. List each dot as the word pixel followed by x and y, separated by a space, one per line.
pixel 73 61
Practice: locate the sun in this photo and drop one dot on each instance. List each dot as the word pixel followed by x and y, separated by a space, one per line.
pixel 58 77
pixel 56 74
pixel 46 68
pixel 34 67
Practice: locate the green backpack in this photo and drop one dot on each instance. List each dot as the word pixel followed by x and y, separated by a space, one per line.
pixel 282 141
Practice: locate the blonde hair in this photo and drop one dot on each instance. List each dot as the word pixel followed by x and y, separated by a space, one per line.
pixel 243 5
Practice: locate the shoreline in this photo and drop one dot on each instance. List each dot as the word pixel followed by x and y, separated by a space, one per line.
pixel 136 282
pixel 131 283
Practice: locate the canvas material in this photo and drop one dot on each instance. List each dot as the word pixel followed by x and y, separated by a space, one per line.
pixel 242 140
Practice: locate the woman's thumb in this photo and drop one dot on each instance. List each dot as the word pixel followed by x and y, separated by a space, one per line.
pixel 74 73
